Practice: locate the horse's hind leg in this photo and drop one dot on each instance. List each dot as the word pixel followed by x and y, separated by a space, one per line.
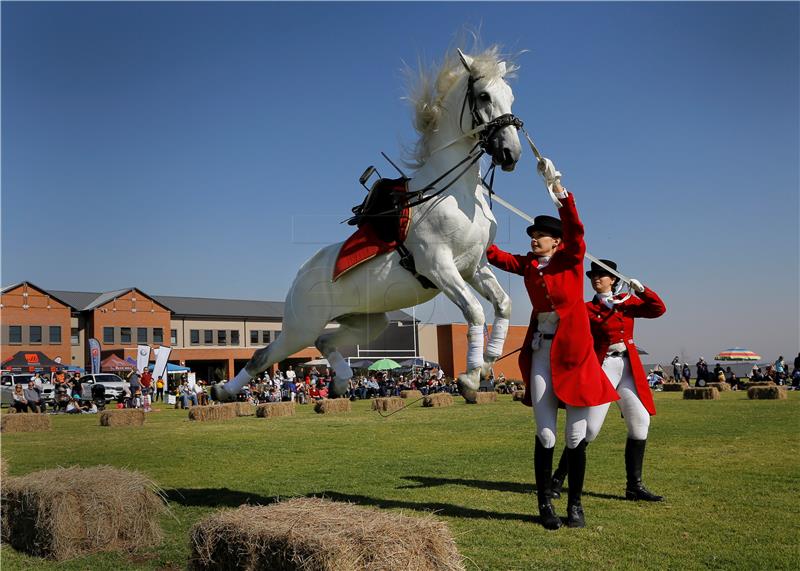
pixel 293 338
pixel 353 330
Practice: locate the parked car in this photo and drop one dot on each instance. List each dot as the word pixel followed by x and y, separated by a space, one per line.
pixel 9 379
pixel 114 385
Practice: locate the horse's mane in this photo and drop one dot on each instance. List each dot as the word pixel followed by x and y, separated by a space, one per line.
pixel 428 88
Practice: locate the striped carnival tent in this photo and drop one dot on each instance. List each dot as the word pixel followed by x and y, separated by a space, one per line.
pixel 737 354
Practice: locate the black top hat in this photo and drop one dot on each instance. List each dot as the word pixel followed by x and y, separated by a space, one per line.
pixel 547 224
pixel 596 269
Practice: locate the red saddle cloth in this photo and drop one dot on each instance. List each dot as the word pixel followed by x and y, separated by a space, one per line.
pixel 366 242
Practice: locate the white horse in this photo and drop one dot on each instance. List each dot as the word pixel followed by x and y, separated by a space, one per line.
pixel 461 111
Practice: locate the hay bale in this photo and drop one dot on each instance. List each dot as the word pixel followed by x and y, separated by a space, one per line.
pixel 25 422
pixel 273 409
pixel 70 512
pixel 122 417
pixel 314 534
pixel 212 412
pixel 328 406
pixel 484 398
pixel 762 384
pixel 721 387
pixel 701 393
pixel 438 400
pixel 241 408
pixel 518 395
pixel 410 395
pixel 3 469
pixel 773 392
pixel 388 404
pixel 675 387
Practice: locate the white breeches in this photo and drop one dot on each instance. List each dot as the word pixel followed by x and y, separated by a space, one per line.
pixel 637 419
pixel 582 422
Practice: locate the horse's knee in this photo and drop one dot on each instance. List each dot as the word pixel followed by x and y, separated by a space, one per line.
pixel 503 306
pixel 473 313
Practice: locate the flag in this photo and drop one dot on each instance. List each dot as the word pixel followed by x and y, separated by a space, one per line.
pixel 94 354
pixel 160 368
pixel 142 358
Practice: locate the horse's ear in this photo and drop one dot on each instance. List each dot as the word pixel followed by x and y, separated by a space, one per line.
pixel 466 60
pixel 501 67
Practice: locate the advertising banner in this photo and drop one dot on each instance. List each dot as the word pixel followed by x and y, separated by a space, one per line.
pixel 142 358
pixel 160 368
pixel 94 354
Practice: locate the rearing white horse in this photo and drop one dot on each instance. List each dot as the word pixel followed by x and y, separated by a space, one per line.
pixel 462 110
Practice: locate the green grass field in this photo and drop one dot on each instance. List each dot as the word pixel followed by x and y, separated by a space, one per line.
pixel 728 468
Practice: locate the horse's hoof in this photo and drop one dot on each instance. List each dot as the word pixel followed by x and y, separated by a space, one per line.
pixel 486 368
pixel 219 394
pixel 338 388
pixel 468 384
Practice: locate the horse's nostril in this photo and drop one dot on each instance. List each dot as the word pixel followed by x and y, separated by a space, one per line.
pixel 508 158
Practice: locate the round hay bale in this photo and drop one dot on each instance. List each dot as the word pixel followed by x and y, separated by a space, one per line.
pixel 701 393
pixel 273 409
pixel 438 400
pixel 332 406
pixel 320 535
pixel 675 387
pixel 767 393
pixel 69 512
pixel 410 395
pixel 122 417
pixel 388 404
pixel 212 412
pixel 484 398
pixel 721 387
pixel 518 395
pixel 25 422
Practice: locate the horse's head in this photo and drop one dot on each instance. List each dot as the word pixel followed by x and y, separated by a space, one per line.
pixel 487 102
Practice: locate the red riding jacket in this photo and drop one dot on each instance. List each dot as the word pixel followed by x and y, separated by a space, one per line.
pixel 615 325
pixel 578 379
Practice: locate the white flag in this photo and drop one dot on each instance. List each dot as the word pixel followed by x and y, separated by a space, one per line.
pixel 160 368
pixel 142 358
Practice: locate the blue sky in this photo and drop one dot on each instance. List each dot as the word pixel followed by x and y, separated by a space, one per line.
pixel 209 149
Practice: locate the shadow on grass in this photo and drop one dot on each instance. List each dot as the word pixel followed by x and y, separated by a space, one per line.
pixel 514 487
pixel 215 497
pixel 439 508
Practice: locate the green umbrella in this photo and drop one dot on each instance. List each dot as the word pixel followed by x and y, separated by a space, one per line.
pixel 384 365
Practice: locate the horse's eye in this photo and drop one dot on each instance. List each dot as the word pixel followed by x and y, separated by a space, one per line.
pixel 485 97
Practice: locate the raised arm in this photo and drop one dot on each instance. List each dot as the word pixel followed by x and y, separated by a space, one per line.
pixel 647 305
pixel 573 245
pixel 514 263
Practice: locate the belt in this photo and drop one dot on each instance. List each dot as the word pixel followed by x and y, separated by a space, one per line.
pixel 616 354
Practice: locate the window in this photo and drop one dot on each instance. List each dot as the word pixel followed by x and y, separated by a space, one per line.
pixel 15 334
pixel 35 333
pixel 173 336
pixel 208 337
pixel 221 336
pixel 254 337
pixel 108 335
pixel 75 336
pixel 234 337
pixel 194 336
pixel 141 334
pixel 158 335
pixel 55 334
pixel 125 335
pixel 265 337
pixel 275 335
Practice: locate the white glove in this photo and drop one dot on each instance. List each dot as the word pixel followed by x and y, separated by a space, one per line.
pixel 636 286
pixel 548 170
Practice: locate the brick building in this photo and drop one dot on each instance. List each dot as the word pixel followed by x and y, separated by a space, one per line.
pixel 213 337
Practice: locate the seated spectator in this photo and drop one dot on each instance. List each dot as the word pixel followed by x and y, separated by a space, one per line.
pixel 20 402
pixel 654 380
pixel 89 407
pixel 73 406
pixel 34 397
pixel 187 395
pixel 202 395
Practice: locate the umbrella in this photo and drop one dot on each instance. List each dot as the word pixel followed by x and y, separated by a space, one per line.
pixel 361 363
pixel 113 363
pixel 737 354
pixel 30 361
pixel 317 362
pixel 384 365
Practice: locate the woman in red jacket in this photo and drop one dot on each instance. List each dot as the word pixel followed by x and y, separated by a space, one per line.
pixel 612 330
pixel 557 358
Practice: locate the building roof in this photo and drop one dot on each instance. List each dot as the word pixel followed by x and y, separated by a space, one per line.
pixel 193 306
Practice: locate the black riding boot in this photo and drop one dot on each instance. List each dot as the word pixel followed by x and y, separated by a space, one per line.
pixel 560 474
pixel 543 468
pixel 576 457
pixel 634 458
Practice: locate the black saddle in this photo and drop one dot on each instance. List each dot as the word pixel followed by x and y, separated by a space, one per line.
pixel 382 208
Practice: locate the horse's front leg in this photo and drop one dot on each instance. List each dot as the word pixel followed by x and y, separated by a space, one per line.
pixel 446 277
pixel 485 283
